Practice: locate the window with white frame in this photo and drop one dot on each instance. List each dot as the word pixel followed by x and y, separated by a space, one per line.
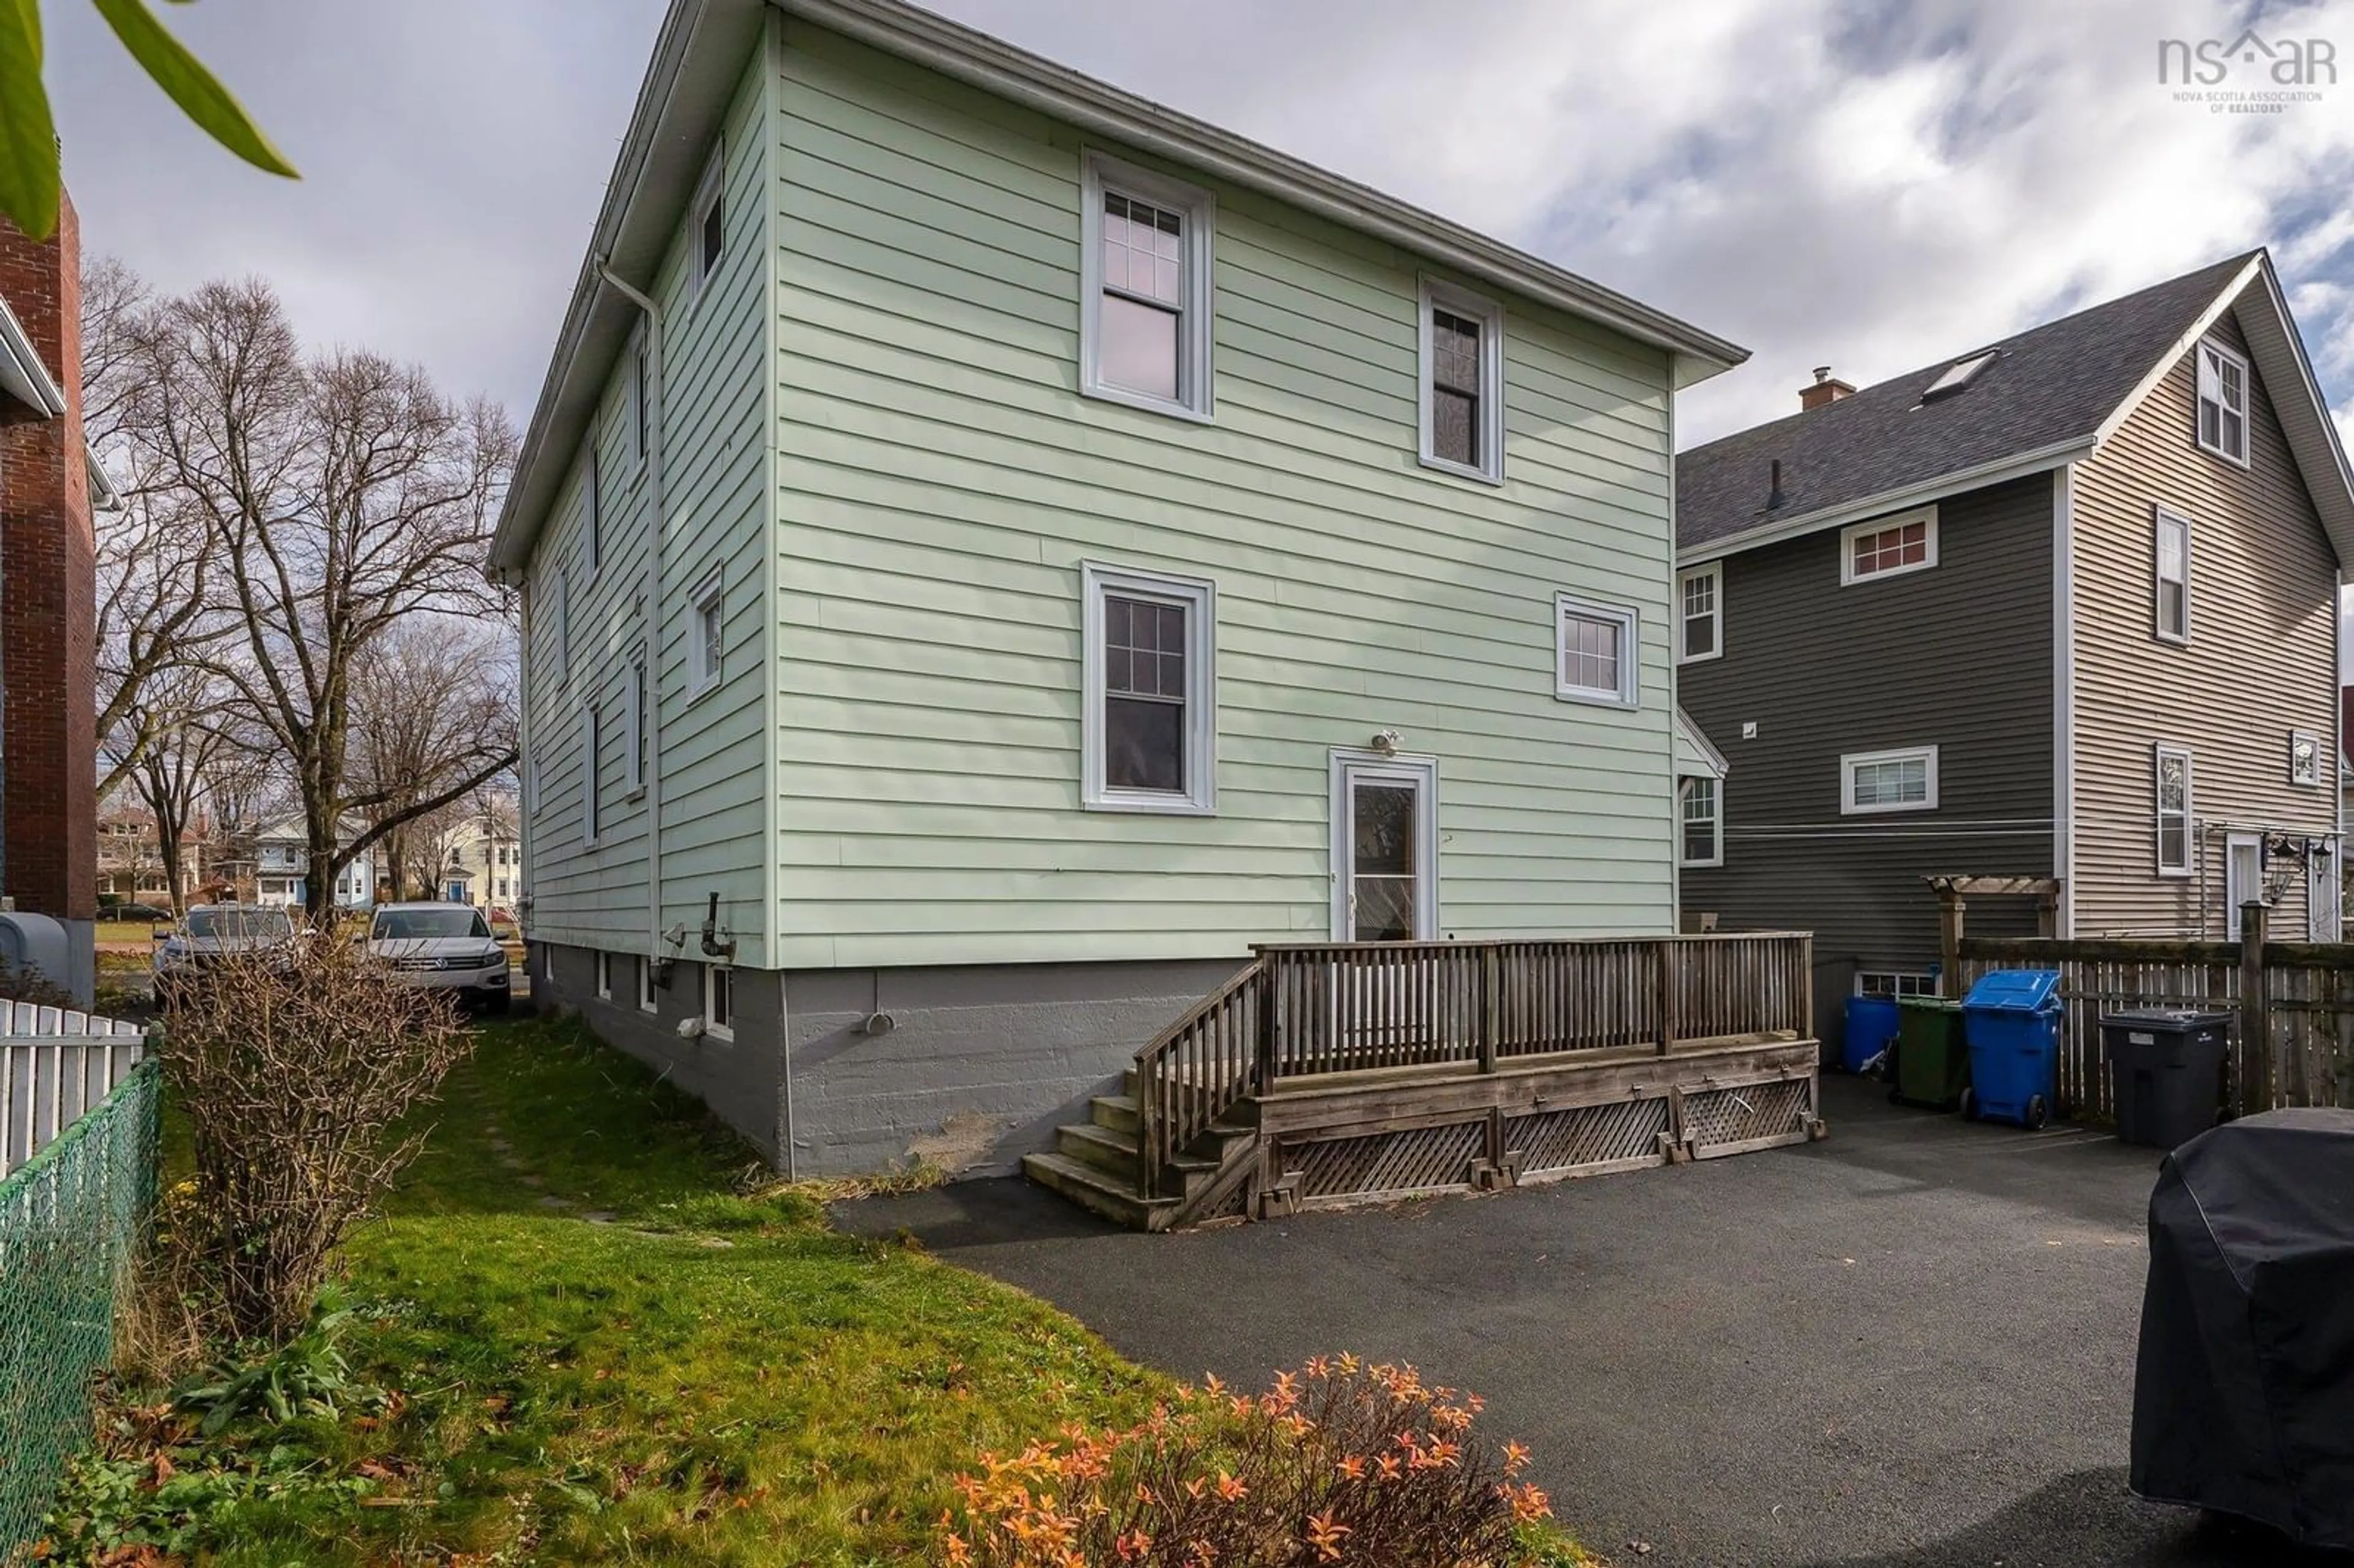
pixel 1905 780
pixel 604 977
pixel 2304 758
pixel 633 764
pixel 1700 629
pixel 719 1001
pixel 2172 767
pixel 635 393
pixel 559 632
pixel 707 635
pixel 646 985
pixel 1150 720
pixel 1894 983
pixel 1701 821
pixel 1461 401
pixel 2222 402
pixel 1594 652
pixel 588 749
pixel 593 515
pixel 2173 609
pixel 1145 276
pixel 1889 546
pixel 711 217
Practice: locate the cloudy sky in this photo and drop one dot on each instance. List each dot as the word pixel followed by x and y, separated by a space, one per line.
pixel 1869 183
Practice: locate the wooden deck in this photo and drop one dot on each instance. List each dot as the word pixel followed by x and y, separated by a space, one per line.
pixel 1328 1075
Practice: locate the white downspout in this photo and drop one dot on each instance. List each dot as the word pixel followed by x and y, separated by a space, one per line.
pixel 650 616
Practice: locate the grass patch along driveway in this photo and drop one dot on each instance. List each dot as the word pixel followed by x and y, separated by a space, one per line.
pixel 599 1353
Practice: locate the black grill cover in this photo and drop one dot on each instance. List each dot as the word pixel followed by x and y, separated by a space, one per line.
pixel 2243 1396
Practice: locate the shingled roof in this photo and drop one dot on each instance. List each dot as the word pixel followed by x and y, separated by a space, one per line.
pixel 2052 387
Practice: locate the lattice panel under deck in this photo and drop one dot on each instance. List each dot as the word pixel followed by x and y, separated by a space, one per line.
pixel 1411 1161
pixel 1586 1135
pixel 1714 1116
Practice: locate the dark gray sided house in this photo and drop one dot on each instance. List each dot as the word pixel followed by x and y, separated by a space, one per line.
pixel 2062 606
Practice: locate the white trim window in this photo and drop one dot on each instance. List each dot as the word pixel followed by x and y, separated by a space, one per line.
pixel 2304 758
pixel 1144 278
pixel 719 1001
pixel 1460 382
pixel 1700 614
pixel 1894 983
pixel 591 728
pixel 2223 403
pixel 604 977
pixel 634 393
pixel 634 700
pixel 1699 820
pixel 706 636
pixel 710 229
pixel 2173 781
pixel 592 513
pixel 646 1001
pixel 1150 723
pixel 2171 569
pixel 1871 782
pixel 1594 652
pixel 559 628
pixel 1889 546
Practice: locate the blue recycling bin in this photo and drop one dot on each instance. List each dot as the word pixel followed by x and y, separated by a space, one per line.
pixel 1871 1030
pixel 2011 1020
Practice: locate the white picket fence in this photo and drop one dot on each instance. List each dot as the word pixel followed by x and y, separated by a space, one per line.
pixel 54 1065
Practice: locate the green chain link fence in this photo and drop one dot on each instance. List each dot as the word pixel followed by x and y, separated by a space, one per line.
pixel 70 1218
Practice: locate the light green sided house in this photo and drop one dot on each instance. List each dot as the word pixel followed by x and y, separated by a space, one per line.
pixel 995 549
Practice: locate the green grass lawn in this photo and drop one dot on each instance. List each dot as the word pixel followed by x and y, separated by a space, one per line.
pixel 597 1352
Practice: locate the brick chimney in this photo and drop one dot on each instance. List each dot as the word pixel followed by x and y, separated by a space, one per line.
pixel 48 741
pixel 1827 390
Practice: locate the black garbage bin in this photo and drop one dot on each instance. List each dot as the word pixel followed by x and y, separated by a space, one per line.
pixel 2167 1067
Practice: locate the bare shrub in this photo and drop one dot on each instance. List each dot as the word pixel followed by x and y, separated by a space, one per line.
pixel 1339 1462
pixel 294 1066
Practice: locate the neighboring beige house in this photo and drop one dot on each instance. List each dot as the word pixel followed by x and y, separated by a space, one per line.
pixel 131 859
pixel 482 858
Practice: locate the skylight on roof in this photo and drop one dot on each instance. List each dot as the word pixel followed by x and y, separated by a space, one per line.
pixel 1959 375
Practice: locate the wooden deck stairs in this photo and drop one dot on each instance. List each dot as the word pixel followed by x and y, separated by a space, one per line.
pixel 1335 1074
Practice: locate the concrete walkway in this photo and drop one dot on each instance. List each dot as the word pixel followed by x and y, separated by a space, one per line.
pixel 1910 1345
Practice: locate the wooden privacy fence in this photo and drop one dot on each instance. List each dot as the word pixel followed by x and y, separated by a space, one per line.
pixel 2293 1007
pixel 56 1064
pixel 1333 1007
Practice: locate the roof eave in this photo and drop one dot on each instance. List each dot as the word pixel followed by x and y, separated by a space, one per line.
pixel 22 375
pixel 2314 443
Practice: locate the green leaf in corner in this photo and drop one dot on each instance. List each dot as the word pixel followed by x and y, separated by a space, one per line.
pixel 187 83
pixel 28 139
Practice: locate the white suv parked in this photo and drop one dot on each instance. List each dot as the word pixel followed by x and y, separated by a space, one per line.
pixel 442 947
pixel 213 934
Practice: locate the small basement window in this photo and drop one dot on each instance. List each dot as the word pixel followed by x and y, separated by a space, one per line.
pixel 1889 546
pixel 1894 983
pixel 2223 403
pixel 1959 375
pixel 718 1001
pixel 646 985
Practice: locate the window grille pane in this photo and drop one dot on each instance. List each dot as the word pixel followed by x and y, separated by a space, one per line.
pixel 1139 350
pixel 1455 427
pixel 1453 352
pixel 2173 608
pixel 2235 434
pixel 1144 744
pixel 1700 636
pixel 1590 654
pixel 1142 249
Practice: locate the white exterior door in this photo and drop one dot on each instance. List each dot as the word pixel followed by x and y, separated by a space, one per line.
pixel 2244 878
pixel 1385 848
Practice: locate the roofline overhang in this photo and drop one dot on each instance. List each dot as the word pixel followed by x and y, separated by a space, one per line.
pixel 2019 465
pixel 22 375
pixel 1718 765
pixel 695 30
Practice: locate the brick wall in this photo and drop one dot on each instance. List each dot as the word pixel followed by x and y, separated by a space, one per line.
pixel 48 596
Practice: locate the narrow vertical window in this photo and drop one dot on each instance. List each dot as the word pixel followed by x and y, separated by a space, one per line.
pixel 706 637
pixel 1145 270
pixel 593 513
pixel 1702 623
pixel 1149 728
pixel 560 632
pixel 1701 828
pixel 2223 402
pixel 646 1003
pixel 588 750
pixel 2173 811
pixel 711 217
pixel 634 697
pixel 1462 382
pixel 637 401
pixel 2173 574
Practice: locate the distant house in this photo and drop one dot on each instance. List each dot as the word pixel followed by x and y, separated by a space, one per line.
pixel 2062 606
pixel 131 859
pixel 48 740
pixel 483 859
pixel 282 869
pixel 996 548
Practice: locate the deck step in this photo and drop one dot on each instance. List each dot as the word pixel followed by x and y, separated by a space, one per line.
pixel 1092 1187
pixel 1099 1146
pixel 1115 1113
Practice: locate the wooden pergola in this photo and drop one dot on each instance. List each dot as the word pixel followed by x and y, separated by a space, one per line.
pixel 1953 893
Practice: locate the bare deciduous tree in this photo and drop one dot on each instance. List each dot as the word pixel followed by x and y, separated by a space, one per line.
pixel 341 495
pixel 171 735
pixel 433 705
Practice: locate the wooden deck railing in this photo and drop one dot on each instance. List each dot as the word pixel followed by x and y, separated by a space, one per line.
pixel 1334 1007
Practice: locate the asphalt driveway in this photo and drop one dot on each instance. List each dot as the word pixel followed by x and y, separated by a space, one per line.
pixel 1912 1344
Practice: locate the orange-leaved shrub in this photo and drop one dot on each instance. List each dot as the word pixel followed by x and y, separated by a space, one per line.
pixel 1341 1462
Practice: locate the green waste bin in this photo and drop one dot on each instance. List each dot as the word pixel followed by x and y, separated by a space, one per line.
pixel 1933 1054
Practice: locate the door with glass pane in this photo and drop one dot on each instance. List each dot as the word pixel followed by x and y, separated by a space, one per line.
pixel 2244 878
pixel 1384 852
